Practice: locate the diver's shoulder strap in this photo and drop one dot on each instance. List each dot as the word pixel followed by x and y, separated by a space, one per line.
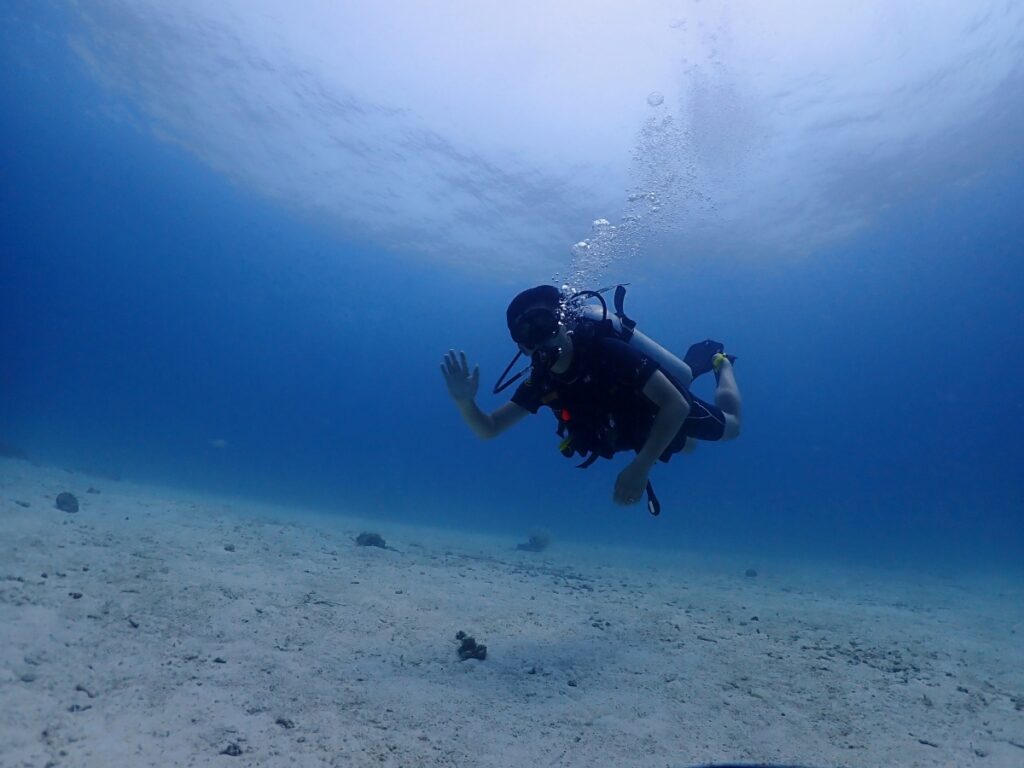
pixel 628 325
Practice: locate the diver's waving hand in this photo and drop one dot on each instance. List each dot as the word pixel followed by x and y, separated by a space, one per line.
pixel 462 384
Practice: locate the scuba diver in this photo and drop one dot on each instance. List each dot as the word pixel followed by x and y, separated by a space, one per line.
pixel 611 387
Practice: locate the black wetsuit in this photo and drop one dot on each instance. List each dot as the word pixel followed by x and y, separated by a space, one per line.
pixel 601 399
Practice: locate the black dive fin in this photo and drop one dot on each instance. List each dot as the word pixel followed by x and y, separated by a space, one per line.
pixel 699 355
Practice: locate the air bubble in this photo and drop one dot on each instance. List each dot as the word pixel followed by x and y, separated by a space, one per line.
pixel 655 98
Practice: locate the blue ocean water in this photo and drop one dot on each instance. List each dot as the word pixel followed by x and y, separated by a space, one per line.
pixel 161 321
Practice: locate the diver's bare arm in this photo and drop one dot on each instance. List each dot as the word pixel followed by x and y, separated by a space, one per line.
pixel 463 384
pixel 672 412
pixel 485 425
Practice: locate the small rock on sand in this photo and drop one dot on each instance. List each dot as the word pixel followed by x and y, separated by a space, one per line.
pixel 66 502
pixel 371 540
pixel 538 541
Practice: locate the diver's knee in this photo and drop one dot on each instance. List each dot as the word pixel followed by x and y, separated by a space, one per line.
pixel 728 402
pixel 732 427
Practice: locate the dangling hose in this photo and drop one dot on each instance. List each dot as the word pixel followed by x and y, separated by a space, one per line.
pixel 501 384
pixel 653 505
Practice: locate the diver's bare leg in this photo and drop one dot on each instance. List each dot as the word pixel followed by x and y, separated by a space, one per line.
pixel 727 398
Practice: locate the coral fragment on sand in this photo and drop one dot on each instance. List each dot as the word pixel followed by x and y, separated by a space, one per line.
pixel 469 648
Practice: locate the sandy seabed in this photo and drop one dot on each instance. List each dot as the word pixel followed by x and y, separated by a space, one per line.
pixel 161 628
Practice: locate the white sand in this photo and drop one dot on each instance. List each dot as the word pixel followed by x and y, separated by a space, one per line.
pixel 303 649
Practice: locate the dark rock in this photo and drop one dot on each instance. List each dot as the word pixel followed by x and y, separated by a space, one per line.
pixel 66 502
pixel 23 504
pixel 371 540
pixel 469 649
pixel 75 595
pixel 572 683
pixel 750 573
pixel 92 490
pixel 539 541
pixel 459 635
pixel 219 660
pixel 232 749
pixel 284 722
pixel 229 547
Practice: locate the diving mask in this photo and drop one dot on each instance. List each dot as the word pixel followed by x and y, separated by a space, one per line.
pixel 535 327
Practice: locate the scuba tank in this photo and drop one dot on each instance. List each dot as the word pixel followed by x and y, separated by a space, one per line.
pixel 624 329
